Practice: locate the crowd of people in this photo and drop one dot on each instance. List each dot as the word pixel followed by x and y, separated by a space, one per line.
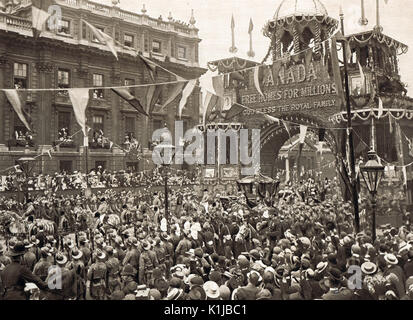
pixel 206 246
pixel 97 178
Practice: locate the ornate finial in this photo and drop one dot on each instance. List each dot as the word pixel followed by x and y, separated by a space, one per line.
pixel 170 16
pixel 115 2
pixel 378 27
pixel 192 21
pixel 251 52
pixel 363 20
pixel 233 48
pixel 144 9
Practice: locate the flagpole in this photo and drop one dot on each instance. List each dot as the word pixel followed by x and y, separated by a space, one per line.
pixel 353 182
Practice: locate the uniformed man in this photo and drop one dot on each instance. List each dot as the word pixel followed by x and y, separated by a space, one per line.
pixel 67 278
pixel 16 275
pixel 169 252
pixel 41 268
pixel 97 277
pixel 83 246
pixel 29 258
pixel 132 255
pixel 78 267
pixel 160 252
pixel 113 270
pixel 147 262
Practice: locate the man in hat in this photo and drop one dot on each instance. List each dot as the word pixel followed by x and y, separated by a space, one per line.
pixel 128 276
pixel 336 289
pixel 29 257
pixel 86 253
pixel 394 274
pixel 15 275
pixel 79 269
pixel 160 252
pixel 97 276
pixel 41 268
pixel 67 290
pixel 113 268
pixel 250 291
pixel 132 254
pixel 169 251
pixel 147 262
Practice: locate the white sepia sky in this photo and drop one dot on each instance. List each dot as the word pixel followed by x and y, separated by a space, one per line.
pixel 214 19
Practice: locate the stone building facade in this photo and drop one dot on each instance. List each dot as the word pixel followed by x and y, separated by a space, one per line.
pixel 71 57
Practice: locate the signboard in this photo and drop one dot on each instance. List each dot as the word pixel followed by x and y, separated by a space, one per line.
pixel 293 87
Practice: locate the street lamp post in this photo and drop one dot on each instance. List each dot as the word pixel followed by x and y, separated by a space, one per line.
pixel 25 164
pixel 372 172
pixel 167 161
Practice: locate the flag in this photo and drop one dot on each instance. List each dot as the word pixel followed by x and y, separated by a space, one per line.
pixel 40 15
pixel 103 38
pixel 125 94
pixel 110 144
pixel 256 79
pixel 336 69
pixel 176 91
pixel 152 96
pixel 86 141
pixel 303 133
pixel 49 153
pixel 287 127
pixel 17 100
pixel 80 98
pixel 380 108
pixel 150 66
pixel 189 88
pixel 271 118
pixel 214 87
pixel 210 102
pixel 251 27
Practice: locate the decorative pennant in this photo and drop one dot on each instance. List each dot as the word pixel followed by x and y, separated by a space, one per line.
pixel 49 153
pixel 287 127
pixel 256 79
pixel 303 133
pixel 80 99
pixel 103 38
pixel 150 66
pixel 39 15
pixel 17 101
pixel 125 94
pixel 189 88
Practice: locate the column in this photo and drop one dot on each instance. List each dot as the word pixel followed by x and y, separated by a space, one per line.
pixel 44 104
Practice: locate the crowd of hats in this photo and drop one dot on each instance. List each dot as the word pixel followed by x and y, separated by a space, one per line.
pixel 98 178
pixel 298 249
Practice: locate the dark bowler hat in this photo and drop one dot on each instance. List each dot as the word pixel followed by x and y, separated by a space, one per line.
pixel 18 250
